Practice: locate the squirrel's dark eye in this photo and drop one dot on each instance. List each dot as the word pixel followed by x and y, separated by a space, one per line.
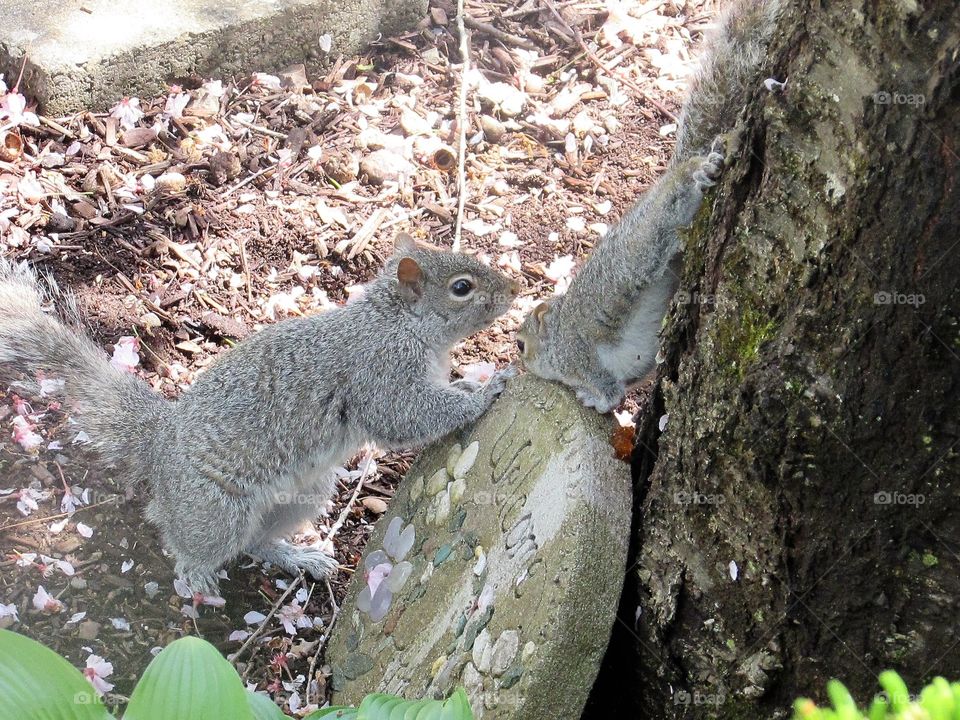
pixel 461 287
pixel 521 346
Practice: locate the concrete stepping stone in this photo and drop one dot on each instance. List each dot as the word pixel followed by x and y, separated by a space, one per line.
pixel 87 55
pixel 498 566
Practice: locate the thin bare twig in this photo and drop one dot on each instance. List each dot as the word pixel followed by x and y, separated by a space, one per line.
pixel 40 520
pixel 322 643
pixel 365 463
pixel 259 631
pixel 498 34
pixel 250 178
pixel 461 126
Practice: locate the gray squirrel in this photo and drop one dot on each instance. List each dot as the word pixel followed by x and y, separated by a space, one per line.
pixel 601 336
pixel 245 456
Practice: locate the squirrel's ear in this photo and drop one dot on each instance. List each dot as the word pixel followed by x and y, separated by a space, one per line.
pixel 410 277
pixel 403 243
pixel 540 314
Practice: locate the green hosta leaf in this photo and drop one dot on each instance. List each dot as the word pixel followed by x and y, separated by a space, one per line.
pixel 263 708
pixel 189 680
pixel 390 707
pixel 38 684
pixel 457 707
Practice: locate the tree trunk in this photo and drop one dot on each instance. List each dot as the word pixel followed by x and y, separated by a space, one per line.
pixel 797 518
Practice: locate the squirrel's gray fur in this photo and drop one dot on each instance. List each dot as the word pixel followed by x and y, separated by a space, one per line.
pixel 245 455
pixel 602 335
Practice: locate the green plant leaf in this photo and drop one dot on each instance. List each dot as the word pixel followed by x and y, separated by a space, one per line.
pixel 457 707
pixel 390 707
pixel 937 700
pixel 263 708
pixel 878 709
pixel 897 694
pixel 843 703
pixel 189 680
pixel 38 684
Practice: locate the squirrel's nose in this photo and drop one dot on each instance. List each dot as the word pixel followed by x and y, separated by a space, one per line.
pixel 515 288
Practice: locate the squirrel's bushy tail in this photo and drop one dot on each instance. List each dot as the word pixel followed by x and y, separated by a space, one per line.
pixel 119 412
pixel 729 64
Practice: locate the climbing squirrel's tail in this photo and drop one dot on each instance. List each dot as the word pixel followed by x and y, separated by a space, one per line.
pixel 119 412
pixel 728 66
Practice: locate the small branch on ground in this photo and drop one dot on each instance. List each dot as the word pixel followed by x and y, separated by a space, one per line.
pixel 322 643
pixel 353 499
pixel 263 624
pixel 461 125
pixel 498 34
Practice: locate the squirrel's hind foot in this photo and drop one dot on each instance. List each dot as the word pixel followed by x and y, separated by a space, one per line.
pixel 293 558
pixel 199 580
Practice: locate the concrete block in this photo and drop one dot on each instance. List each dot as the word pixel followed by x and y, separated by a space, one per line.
pixel 498 566
pixel 87 54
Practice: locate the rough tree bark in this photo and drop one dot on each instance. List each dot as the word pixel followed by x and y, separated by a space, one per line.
pixel 798 518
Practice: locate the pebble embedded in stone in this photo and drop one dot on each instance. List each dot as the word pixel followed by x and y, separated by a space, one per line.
pixel 378 557
pixel 528 650
pixel 440 509
pixel 504 651
pixel 443 552
pixel 416 489
pixel 511 677
pixel 457 490
pixel 437 482
pixel 466 460
pixel 482 652
pixel 475 627
pixel 452 456
pixel 460 625
pixel 471 677
pixel 481 563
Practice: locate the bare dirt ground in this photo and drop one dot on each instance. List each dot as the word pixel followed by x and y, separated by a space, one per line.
pixel 188 221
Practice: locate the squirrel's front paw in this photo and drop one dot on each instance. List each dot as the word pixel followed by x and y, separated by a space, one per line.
pixel 470 386
pixel 498 383
pixel 599 402
pixel 710 170
pixel 711 167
